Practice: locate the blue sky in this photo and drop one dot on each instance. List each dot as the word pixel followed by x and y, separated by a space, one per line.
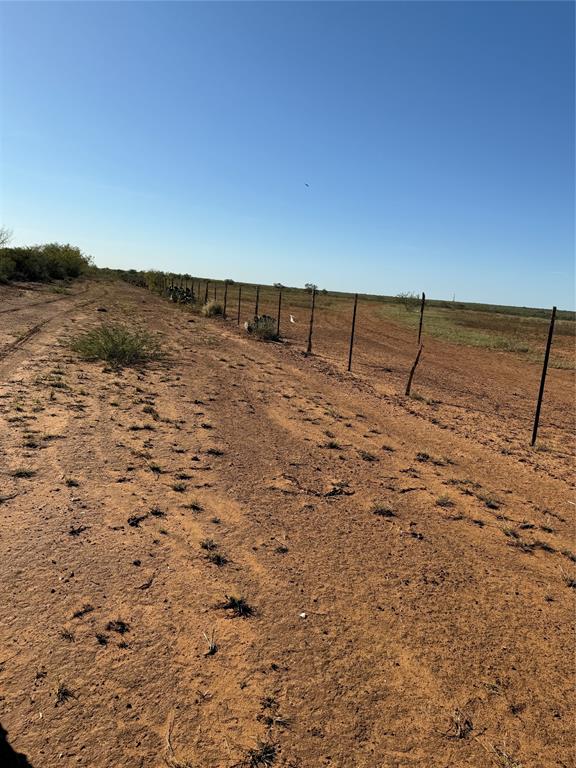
pixel 437 140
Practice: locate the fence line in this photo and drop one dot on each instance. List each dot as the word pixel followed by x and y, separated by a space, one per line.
pixel 169 283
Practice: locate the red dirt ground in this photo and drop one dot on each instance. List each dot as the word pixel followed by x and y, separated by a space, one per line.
pixel 438 634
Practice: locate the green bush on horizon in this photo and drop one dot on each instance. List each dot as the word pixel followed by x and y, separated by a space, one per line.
pixel 42 263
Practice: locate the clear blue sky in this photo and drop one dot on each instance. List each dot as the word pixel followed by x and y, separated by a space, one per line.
pixel 437 140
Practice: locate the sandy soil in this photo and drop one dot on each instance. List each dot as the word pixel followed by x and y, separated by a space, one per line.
pixel 438 633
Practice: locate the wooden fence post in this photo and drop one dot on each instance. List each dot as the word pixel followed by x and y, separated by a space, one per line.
pixel 206 292
pixel 421 317
pixel 225 300
pixel 413 370
pixel 543 378
pixel 279 310
pixel 352 332
pixel 239 302
pixel 309 347
pixel 257 301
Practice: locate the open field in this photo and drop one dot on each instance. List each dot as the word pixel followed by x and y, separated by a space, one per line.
pixel 407 564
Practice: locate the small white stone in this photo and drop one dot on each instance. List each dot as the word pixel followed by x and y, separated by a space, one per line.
pixel 303 615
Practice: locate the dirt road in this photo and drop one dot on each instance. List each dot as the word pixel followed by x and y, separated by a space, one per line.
pixel 409 582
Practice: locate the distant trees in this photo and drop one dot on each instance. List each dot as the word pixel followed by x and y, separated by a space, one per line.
pixel 310 287
pixel 5 236
pixel 410 300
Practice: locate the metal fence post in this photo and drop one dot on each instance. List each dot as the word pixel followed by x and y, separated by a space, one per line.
pixel 352 332
pixel 421 317
pixel 310 329
pixel 279 310
pixel 543 378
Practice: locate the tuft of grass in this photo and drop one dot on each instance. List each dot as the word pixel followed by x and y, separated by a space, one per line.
pixel 217 558
pixel 212 645
pixel 63 694
pixel 444 502
pixel 367 456
pixel 179 487
pixel 209 545
pixel 462 724
pixel 71 483
pixel 24 473
pixel 213 309
pixel 117 345
pixel 262 755
pixel 263 328
pixel 86 608
pixel 118 625
pixel 381 511
pixel 194 506
pixel 238 605
pixel 489 501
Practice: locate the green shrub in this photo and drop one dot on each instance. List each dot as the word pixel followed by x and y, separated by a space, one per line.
pixel 117 345
pixel 7 268
pixel 263 327
pixel 41 263
pixel 212 309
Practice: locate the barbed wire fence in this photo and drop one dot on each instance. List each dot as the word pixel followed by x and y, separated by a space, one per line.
pixel 300 307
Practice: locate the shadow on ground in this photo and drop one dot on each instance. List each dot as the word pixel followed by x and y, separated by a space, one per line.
pixel 9 758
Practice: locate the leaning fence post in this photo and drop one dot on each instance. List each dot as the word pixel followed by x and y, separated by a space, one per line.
pixel 206 292
pixel 239 302
pixel 309 347
pixel 421 316
pixel 413 370
pixel 543 379
pixel 352 332
pixel 225 300
pixel 279 310
pixel 257 301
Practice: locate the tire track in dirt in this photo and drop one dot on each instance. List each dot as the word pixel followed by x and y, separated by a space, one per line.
pixel 22 343
pixel 41 303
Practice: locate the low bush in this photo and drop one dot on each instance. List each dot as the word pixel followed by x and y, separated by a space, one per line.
pixel 117 345
pixel 263 327
pixel 42 263
pixel 213 309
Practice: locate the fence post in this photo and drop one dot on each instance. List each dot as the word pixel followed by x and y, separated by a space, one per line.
pixel 239 302
pixel 352 332
pixel 257 301
pixel 543 379
pixel 421 316
pixel 206 292
pixel 215 296
pixel 225 300
pixel 413 370
pixel 279 310
pixel 309 347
